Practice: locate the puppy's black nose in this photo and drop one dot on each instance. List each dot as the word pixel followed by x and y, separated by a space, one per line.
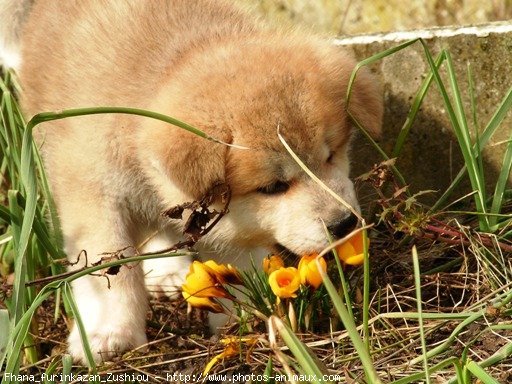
pixel 343 227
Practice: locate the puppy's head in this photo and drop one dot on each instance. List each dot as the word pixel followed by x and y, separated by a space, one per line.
pixel 244 95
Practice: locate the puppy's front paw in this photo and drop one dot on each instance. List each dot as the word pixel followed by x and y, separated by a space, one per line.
pixel 106 342
pixel 165 276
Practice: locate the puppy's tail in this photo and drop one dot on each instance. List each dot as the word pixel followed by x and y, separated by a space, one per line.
pixel 13 14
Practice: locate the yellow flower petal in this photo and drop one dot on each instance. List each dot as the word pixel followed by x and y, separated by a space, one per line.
pixel 357 242
pixel 201 281
pixel 237 339
pixel 345 250
pixel 309 273
pixel 272 263
pixel 231 350
pixel 284 282
pixel 351 252
pixel 203 303
pixel 225 273
pixel 355 260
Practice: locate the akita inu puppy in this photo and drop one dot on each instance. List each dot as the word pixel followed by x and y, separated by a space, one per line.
pixel 219 69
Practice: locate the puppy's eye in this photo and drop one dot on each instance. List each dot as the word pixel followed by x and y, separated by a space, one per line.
pixel 274 188
pixel 330 158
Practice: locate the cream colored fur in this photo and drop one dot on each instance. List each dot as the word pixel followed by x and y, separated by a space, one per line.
pixel 219 69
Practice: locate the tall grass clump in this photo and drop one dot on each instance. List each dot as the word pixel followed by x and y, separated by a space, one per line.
pixel 29 245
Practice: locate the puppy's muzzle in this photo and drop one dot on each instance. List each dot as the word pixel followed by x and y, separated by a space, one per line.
pixel 344 226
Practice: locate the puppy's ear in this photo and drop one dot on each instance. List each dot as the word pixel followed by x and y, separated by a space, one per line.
pixel 366 102
pixel 191 163
pixel 196 164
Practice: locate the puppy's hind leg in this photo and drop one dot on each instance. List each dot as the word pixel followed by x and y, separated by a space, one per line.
pixel 112 307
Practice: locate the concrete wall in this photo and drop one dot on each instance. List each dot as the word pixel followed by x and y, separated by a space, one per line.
pixel 367 16
pixel 431 157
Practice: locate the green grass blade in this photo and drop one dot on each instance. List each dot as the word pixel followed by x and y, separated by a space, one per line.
pixel 472 98
pixel 417 284
pixel 66 290
pixel 11 133
pixel 51 371
pixel 373 59
pixel 491 127
pixel 418 377
pixel 479 373
pixel 477 150
pixel 343 281
pixel 269 372
pixel 496 119
pixel 40 229
pixel 67 366
pixel 415 107
pixel 471 156
pixel 447 343
pixel 20 267
pixel 4 333
pixel 501 184
pixel 300 351
pixel 29 181
pixel 50 116
pixel 351 328
pixel 366 289
pixel 53 222
pixel 501 354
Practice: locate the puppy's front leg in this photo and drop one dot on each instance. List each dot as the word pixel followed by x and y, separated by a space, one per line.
pixel 113 310
pixel 164 276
